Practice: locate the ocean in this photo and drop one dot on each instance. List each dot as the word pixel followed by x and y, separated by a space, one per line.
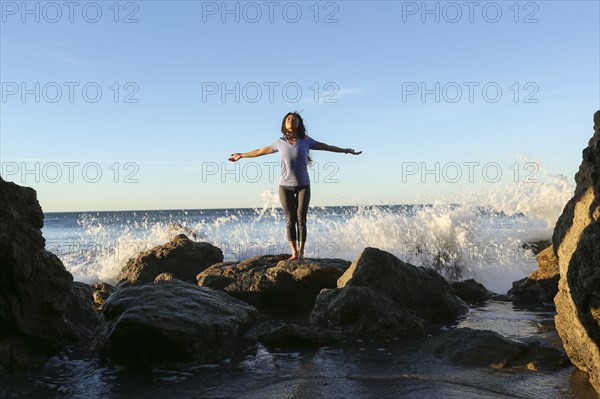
pixel 480 236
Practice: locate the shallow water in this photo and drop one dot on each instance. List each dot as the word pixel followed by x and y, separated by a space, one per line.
pixel 358 369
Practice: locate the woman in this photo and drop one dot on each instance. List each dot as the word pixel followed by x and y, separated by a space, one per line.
pixel 294 182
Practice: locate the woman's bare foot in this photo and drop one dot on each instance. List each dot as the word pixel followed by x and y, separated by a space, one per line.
pixel 294 250
pixel 301 255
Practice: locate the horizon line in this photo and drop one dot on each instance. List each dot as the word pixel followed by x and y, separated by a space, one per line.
pixel 235 208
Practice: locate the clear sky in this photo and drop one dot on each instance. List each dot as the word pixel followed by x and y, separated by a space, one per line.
pixel 137 105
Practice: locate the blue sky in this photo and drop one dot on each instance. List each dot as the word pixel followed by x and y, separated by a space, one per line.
pixel 157 137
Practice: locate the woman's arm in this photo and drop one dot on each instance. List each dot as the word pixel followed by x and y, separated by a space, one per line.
pixel 251 154
pixel 332 148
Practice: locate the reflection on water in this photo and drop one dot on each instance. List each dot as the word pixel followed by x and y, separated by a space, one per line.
pixel 502 318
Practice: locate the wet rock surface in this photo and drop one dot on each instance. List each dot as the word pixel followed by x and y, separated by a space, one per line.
pixel 483 348
pixel 472 292
pixel 540 288
pixel 273 282
pixel 172 321
pixel 380 296
pixel 35 287
pixel 180 257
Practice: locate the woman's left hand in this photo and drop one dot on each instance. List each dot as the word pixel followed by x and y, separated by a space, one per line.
pixel 352 151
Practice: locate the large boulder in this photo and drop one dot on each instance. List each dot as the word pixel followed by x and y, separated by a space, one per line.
pixel 273 282
pixel 576 241
pixel 172 321
pixel 181 257
pixel 34 284
pixel 82 315
pixel 484 348
pixel 542 284
pixel 381 296
pixel 472 292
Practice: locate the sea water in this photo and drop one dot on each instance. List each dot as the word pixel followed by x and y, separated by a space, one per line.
pixel 481 236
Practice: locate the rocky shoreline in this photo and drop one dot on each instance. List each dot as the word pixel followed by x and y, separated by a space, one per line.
pixel 179 302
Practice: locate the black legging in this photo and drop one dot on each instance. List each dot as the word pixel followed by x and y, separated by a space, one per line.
pixel 294 201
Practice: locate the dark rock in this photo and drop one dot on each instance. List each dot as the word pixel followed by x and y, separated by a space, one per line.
pixel 472 292
pixel 576 242
pixel 534 292
pixel 542 284
pixel 359 312
pixel 172 321
pixel 292 336
pixel 81 315
pixel 380 296
pixel 181 257
pixel 272 282
pixel 34 284
pixel 484 348
pixel 101 292
pixel 540 356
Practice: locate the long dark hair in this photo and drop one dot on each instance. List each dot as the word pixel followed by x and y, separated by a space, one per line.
pixel 300 132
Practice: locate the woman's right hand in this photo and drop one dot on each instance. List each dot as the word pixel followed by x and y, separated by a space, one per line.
pixel 235 156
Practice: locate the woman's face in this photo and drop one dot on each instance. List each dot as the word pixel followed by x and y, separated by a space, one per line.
pixel 291 122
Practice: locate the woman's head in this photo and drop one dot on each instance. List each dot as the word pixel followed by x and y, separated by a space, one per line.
pixel 292 121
